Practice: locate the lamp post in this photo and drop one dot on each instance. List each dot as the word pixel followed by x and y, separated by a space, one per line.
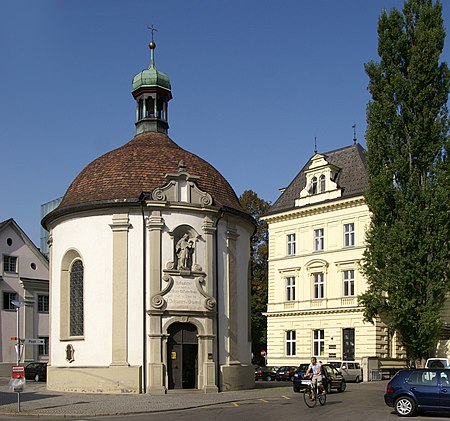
pixel 18 304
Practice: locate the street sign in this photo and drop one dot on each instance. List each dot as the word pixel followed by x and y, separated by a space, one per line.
pixel 18 372
pixel 32 341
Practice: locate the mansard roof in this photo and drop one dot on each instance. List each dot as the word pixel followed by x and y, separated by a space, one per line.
pixel 351 178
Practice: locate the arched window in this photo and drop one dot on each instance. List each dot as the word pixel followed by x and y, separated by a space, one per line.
pixel 150 107
pixel 314 185
pixel 76 299
pixel 72 296
pixel 159 106
pixel 140 109
pixel 322 183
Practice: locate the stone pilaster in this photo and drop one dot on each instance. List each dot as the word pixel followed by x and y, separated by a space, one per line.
pixel 231 237
pixel 120 227
pixel 156 372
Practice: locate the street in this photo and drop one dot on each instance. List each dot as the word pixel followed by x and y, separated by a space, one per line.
pixel 362 401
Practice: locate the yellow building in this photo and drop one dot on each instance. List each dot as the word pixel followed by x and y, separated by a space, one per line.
pixel 316 243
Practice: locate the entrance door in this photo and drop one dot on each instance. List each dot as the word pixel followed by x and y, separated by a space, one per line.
pixel 182 356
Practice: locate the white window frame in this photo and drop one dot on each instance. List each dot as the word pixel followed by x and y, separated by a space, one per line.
pixel 318 285
pixel 10 263
pixel 290 240
pixel 290 288
pixel 9 296
pixel 318 342
pixel 319 239
pixel 348 277
pixel 349 234
pixel 43 349
pixel 43 303
pixel 322 183
pixel 291 341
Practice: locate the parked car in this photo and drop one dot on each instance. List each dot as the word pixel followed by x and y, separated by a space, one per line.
pixel 332 379
pixel 36 372
pixel 351 370
pixel 265 373
pixel 437 363
pixel 285 373
pixel 422 389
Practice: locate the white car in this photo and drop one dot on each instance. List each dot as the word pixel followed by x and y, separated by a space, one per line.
pixel 437 363
pixel 351 370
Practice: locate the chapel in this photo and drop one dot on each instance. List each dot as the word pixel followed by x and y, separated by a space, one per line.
pixel 149 267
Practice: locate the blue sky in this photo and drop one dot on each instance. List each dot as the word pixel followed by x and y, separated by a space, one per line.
pixel 253 83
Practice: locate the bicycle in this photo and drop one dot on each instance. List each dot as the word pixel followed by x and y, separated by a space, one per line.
pixel 314 393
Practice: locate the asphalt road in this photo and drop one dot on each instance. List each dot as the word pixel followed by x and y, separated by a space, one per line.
pixel 360 402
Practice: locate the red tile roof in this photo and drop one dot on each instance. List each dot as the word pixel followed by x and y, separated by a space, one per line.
pixel 140 166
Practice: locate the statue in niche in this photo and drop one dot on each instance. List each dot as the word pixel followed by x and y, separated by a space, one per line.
pixel 184 250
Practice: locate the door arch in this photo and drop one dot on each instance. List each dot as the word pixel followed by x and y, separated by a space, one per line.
pixel 182 356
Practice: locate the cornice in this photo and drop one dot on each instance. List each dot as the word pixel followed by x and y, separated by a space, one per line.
pixel 315 209
pixel 292 313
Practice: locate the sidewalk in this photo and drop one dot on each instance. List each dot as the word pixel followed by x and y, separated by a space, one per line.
pixel 38 401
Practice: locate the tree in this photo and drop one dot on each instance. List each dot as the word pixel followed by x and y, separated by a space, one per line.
pixel 406 261
pixel 259 272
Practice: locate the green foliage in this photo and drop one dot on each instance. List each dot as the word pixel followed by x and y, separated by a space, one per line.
pixel 259 271
pixel 407 255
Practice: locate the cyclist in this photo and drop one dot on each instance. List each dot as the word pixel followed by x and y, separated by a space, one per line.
pixel 315 368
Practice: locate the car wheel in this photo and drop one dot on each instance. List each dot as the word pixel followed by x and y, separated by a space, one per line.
pixel 343 386
pixel 357 379
pixel 405 406
pixel 296 389
pixel 36 378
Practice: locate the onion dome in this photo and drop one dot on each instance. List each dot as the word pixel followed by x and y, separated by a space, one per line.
pixel 152 91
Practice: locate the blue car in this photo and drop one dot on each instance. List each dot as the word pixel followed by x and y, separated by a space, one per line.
pixel 410 391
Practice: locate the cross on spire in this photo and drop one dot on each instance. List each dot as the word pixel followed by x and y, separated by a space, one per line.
pixel 152 30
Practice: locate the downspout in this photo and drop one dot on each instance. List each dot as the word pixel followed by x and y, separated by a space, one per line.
pixel 216 253
pixel 144 301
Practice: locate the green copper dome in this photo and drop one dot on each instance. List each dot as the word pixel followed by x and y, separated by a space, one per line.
pixel 151 77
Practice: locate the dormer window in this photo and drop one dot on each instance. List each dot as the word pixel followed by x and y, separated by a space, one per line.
pixel 314 185
pixel 322 183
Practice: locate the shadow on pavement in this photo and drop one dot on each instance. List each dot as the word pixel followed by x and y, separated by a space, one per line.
pixel 11 397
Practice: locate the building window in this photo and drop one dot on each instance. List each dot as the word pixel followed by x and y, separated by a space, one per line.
pixel 314 185
pixel 348 340
pixel 10 264
pixel 7 298
pixel 318 239
pixel 349 282
pixel 319 291
pixel 43 349
pixel 290 288
pixel 322 183
pixel 291 244
pixel 349 235
pixel 319 342
pixel 290 343
pixel 43 303
pixel 76 299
